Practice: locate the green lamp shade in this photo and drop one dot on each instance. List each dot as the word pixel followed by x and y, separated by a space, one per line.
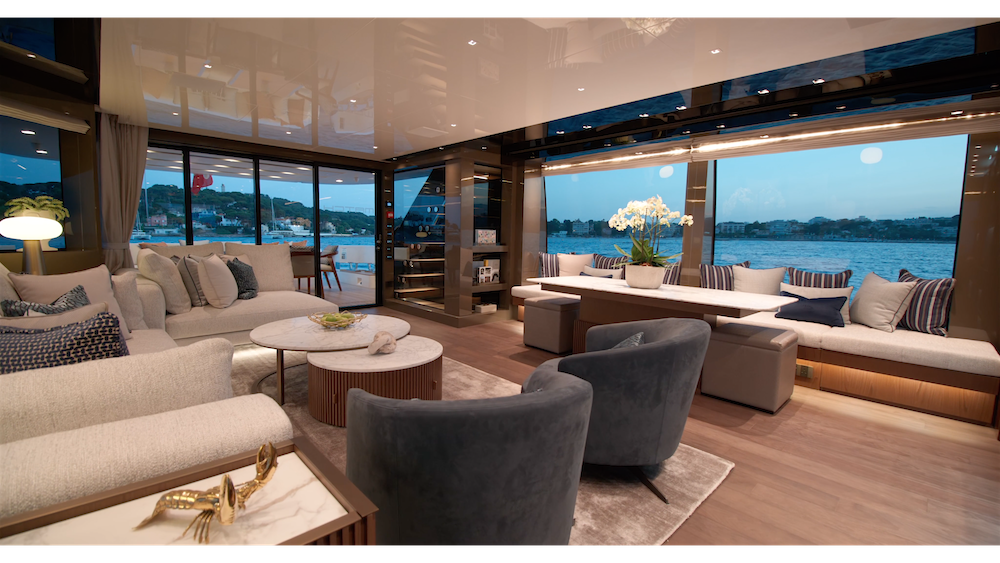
pixel 30 228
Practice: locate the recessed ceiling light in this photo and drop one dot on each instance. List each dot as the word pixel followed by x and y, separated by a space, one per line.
pixel 288 172
pixel 175 113
pixel 715 51
pixel 354 101
pixel 221 166
pixel 304 168
pixel 957 112
pixel 213 171
pixel 979 146
pixel 41 151
pixel 208 65
pixel 244 173
pixel 175 167
pixel 288 132
pixel 793 114
pixel 31 55
pixel 643 115
pixel 560 132
pixel 580 89
pixel 681 108
pixel 763 91
pixel 607 144
pixel 27 131
pixel 588 126
pixel 763 136
pixel 440 148
pixel 484 148
pixel 454 124
pixel 640 152
pixel 232 160
pixel 818 81
pixel 472 41
pixel 278 177
pixel 374 146
pixel 339 181
pixel 841 107
pixel 720 126
pixel 686 132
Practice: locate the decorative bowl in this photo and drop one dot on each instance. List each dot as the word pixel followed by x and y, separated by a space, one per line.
pixel 344 323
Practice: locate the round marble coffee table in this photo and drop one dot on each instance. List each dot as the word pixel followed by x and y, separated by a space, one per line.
pixel 302 335
pixel 413 371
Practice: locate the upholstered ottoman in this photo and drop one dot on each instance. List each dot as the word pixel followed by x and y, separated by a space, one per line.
pixel 752 365
pixel 548 323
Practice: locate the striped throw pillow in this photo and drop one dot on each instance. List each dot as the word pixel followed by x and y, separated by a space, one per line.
pixel 673 274
pixel 929 306
pixel 718 277
pixel 802 278
pixel 602 262
pixel 548 265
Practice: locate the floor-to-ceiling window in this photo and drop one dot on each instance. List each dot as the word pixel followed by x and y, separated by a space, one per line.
pixel 347 232
pixel 29 167
pixel 579 206
pixel 877 207
pixel 222 198
pixel 161 214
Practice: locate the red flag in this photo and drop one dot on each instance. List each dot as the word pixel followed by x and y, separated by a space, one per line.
pixel 200 182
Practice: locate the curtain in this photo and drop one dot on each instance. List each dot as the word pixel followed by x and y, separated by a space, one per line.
pixel 123 163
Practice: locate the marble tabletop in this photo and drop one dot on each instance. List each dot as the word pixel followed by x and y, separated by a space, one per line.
pixel 410 352
pixel 304 335
pixel 293 503
pixel 677 293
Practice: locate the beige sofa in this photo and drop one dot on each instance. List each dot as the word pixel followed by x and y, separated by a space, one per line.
pixel 75 430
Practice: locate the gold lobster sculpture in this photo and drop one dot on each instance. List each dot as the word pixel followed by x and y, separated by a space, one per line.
pixel 219 502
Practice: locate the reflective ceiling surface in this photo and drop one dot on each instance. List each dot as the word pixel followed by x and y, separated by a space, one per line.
pixel 379 88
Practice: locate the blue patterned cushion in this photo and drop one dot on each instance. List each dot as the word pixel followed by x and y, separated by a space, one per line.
pixel 802 278
pixel 548 265
pixel 94 339
pixel 719 277
pixel 72 299
pixel 246 282
pixel 928 310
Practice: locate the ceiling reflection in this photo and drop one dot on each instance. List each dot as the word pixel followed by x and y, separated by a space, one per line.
pixel 379 88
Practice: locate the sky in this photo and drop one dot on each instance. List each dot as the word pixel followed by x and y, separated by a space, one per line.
pixel 896 180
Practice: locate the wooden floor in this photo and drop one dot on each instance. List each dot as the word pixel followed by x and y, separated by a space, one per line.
pixel 827 469
pixel 346 296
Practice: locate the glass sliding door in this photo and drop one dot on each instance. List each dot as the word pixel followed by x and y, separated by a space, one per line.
pixel 287 213
pixel 161 215
pixel 347 234
pixel 222 199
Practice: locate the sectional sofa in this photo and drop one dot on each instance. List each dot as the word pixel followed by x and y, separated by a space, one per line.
pixel 74 430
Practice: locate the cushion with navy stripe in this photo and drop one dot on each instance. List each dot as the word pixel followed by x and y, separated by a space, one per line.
pixel 548 265
pixel 32 348
pixel 803 278
pixel 673 274
pixel 72 299
pixel 602 262
pixel 929 306
pixel 719 277
pixel 246 282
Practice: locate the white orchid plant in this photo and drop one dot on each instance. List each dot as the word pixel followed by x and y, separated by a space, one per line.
pixel 648 221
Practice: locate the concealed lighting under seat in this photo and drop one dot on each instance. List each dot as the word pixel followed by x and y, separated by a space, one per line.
pixel 27 131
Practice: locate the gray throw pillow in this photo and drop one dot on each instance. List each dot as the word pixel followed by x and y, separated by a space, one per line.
pixel 631 341
pixel 246 282
pixel 72 299
pixel 187 266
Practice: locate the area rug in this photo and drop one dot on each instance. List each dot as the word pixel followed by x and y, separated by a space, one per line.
pixel 612 508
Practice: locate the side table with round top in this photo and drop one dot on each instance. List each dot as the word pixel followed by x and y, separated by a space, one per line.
pixel 413 371
pixel 302 335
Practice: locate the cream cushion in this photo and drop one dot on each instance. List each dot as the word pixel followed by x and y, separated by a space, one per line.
pixel 163 271
pixel 572 264
pixel 535 290
pixel 272 264
pixel 919 348
pixel 188 267
pixel 881 303
pixel 245 314
pixel 810 334
pixel 104 456
pixel 7 290
pixel 95 281
pixel 767 282
pixel 149 341
pixel 217 282
pixel 127 293
pixel 181 250
pixel 820 292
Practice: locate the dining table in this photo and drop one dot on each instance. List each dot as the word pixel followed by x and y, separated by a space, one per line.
pixel 606 301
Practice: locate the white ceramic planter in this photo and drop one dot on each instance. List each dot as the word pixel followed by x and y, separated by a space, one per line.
pixel 644 277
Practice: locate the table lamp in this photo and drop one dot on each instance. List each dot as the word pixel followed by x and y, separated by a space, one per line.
pixel 32 230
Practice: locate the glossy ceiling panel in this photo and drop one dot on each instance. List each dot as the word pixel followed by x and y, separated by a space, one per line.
pixel 378 88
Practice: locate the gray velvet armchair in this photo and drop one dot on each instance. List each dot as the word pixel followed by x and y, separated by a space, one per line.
pixel 642 395
pixel 487 471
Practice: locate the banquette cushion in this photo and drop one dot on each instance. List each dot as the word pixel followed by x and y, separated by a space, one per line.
pixel 929 304
pixel 881 303
pixel 719 277
pixel 816 279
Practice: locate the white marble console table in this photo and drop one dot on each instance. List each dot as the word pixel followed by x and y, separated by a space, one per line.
pixel 606 301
